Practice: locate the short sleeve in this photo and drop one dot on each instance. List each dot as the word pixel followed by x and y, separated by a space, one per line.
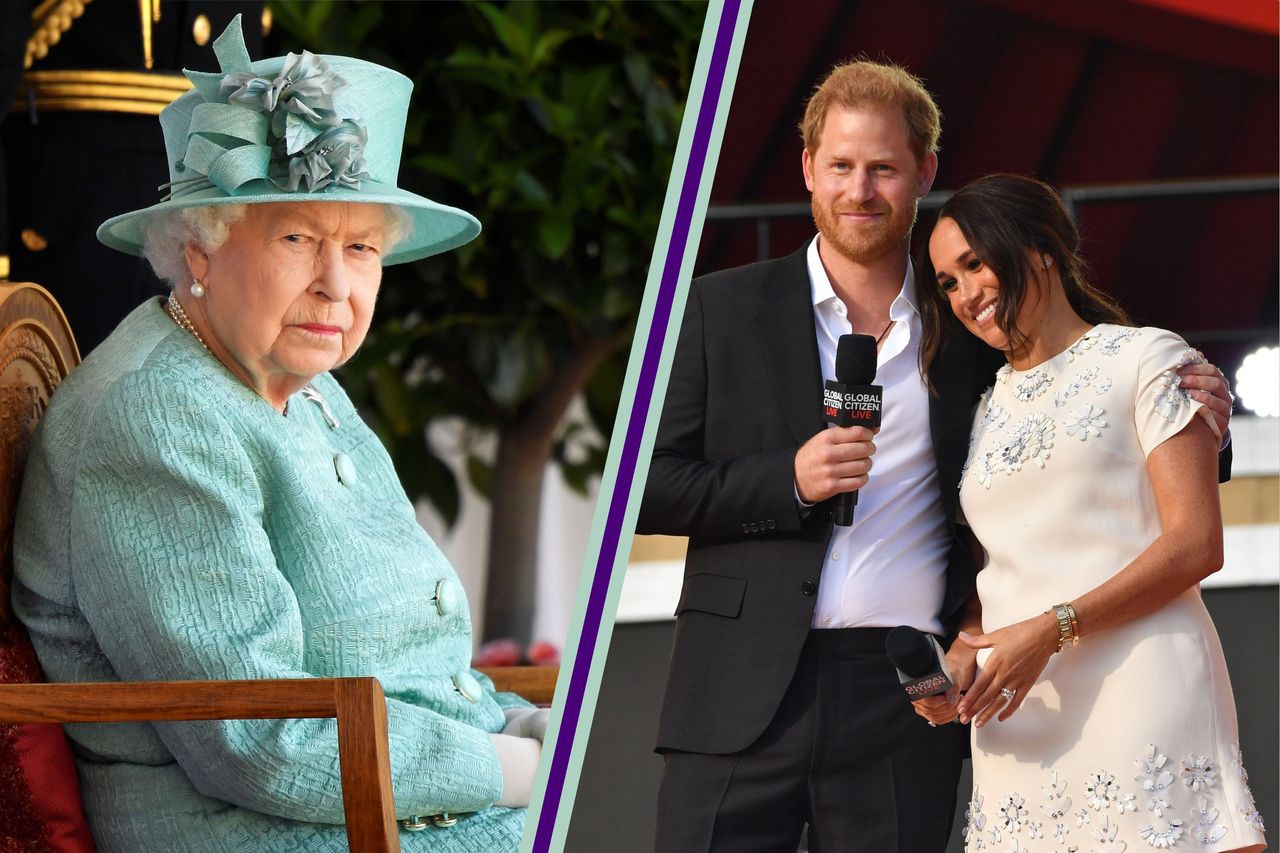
pixel 1163 408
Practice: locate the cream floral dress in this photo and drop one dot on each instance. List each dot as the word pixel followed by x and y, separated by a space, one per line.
pixel 1128 741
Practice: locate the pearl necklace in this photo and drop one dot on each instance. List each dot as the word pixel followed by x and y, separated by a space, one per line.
pixel 174 309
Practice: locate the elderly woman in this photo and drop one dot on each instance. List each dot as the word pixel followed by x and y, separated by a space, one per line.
pixel 203 501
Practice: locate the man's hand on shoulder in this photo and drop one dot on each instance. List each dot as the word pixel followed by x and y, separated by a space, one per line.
pixel 1207 384
pixel 834 461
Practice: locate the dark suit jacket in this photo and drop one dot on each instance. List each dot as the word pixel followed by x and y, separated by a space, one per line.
pixel 745 393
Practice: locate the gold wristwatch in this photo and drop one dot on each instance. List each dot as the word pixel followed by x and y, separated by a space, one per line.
pixel 1068 624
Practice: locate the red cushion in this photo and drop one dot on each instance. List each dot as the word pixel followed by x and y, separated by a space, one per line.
pixel 40 807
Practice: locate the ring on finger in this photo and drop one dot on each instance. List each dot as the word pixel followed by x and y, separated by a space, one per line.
pixel 1008 693
pixel 932 724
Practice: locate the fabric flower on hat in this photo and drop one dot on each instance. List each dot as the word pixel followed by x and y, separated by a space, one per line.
pixel 337 158
pixel 301 99
pixel 322 143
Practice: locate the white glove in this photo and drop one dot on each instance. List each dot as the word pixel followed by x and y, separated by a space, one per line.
pixel 526 722
pixel 518 757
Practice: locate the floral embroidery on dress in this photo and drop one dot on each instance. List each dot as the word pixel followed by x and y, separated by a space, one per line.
pixel 1251 814
pixel 1086 422
pixel 1073 387
pixel 1086 342
pixel 1105 835
pixel 1154 779
pixel 1057 804
pixel 1102 387
pixel 982 470
pixel 1082 817
pixel 1249 811
pixel 1032 385
pixel 974 822
pixel 1237 761
pixel 1170 396
pixel 994 418
pixel 1208 830
pixel 985 404
pixel 1161 839
pixel 1113 341
pixel 1002 375
pixel 1126 803
pixel 1101 790
pixel 1198 773
pixel 1012 814
pixel 1190 356
pixel 1031 439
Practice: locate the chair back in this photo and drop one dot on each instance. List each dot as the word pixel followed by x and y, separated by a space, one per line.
pixel 37 351
pixel 40 805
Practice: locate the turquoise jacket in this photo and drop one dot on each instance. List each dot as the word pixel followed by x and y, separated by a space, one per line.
pixel 173 525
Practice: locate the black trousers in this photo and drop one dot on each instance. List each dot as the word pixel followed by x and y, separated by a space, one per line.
pixel 845 754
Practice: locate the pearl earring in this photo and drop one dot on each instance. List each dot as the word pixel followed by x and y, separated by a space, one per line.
pixel 197 289
pixel 1048 262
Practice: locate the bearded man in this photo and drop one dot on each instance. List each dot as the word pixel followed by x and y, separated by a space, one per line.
pixel 781 707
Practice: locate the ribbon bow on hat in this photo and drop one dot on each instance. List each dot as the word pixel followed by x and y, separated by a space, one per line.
pixel 294 129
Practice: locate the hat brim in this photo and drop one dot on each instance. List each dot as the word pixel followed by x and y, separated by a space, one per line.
pixel 436 227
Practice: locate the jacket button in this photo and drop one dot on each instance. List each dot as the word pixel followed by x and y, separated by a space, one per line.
pixel 808 587
pixel 746 528
pixel 771 524
pixel 466 684
pixel 446 597
pixel 346 470
pixel 755 528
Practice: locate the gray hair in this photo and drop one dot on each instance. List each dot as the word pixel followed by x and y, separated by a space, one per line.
pixel 165 235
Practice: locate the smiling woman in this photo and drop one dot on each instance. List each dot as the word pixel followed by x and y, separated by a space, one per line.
pixel 1090 482
pixel 204 502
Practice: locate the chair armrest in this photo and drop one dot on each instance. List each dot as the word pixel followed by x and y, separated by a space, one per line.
pixel 535 683
pixel 358 705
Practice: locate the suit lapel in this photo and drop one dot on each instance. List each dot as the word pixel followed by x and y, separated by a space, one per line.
pixel 784 326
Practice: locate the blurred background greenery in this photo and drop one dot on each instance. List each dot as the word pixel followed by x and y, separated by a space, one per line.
pixel 555 124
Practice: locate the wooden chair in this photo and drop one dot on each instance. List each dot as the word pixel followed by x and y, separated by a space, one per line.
pixel 37 351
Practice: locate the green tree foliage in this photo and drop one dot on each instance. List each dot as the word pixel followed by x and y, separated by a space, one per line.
pixel 555 124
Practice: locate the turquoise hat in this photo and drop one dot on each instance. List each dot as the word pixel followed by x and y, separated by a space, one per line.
pixel 293 128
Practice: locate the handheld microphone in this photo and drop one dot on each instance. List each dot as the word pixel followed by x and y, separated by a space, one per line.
pixel 851 400
pixel 922 669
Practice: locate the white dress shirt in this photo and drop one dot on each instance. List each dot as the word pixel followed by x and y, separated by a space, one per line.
pixel 889 567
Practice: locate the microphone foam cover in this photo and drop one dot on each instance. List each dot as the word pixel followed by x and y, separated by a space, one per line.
pixel 910 651
pixel 856 360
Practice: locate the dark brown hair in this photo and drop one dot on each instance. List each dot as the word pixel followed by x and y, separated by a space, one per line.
pixel 1001 217
pixel 862 83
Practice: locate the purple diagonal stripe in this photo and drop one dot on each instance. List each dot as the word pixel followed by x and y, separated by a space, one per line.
pixel 635 424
